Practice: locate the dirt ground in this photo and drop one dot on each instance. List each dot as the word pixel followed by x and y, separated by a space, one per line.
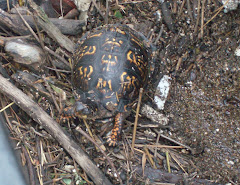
pixel 204 99
pixel 196 43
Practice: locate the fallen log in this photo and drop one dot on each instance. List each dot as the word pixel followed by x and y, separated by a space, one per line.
pixel 15 23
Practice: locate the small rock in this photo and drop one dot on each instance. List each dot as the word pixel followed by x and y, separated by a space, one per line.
pixel 162 91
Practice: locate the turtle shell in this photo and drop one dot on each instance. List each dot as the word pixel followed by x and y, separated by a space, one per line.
pixel 110 66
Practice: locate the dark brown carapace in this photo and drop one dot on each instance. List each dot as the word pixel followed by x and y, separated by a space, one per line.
pixel 110 66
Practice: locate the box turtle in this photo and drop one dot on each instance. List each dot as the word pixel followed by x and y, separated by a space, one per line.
pixel 110 65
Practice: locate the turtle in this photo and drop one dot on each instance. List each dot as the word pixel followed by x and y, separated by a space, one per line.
pixel 110 65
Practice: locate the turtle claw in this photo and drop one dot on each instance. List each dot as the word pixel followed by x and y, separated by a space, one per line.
pixel 111 141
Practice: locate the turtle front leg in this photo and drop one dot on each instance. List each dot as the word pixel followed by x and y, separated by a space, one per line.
pixel 117 128
pixel 78 109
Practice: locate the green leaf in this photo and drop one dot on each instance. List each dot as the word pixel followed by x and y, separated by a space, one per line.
pixel 118 14
pixel 67 181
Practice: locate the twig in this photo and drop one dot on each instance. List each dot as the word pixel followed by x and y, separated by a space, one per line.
pixel 8 5
pixel 177 161
pixel 99 147
pixel 180 61
pixel 107 12
pixel 45 48
pixel 99 11
pixel 168 164
pixel 88 128
pixel 59 70
pixel 202 18
pixel 50 91
pixel 28 26
pixel 56 55
pixel 150 157
pixel 176 142
pixel 9 123
pixel 189 9
pixel 198 16
pixel 167 17
pixel 159 35
pixel 181 8
pixel 158 146
pixel 4 108
pixel 30 167
pixel 136 117
pixel 216 13
pixel 158 137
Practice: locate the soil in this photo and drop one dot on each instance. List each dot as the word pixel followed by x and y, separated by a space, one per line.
pixel 204 99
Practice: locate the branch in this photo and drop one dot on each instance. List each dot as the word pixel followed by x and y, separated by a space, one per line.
pixel 53 128
pixel 15 23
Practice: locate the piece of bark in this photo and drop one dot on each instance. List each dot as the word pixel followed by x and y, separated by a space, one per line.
pixel 50 29
pixel 53 128
pixel 15 23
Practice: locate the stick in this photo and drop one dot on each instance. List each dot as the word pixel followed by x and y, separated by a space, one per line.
pixel 136 118
pixel 53 128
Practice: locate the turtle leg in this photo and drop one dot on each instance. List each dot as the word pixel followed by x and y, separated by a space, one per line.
pixel 77 109
pixel 117 128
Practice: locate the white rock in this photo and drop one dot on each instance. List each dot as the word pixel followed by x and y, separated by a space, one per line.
pixel 230 5
pixel 154 115
pixel 237 51
pixel 162 91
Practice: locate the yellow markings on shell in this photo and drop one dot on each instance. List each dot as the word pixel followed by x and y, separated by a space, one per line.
pixel 107 60
pixel 120 31
pixel 137 42
pixel 80 71
pixel 87 50
pixel 123 82
pixel 133 59
pixel 90 71
pixel 112 42
pixel 139 62
pixel 110 84
pixel 133 81
pixel 122 77
pixel 95 35
pixel 117 96
pixel 99 84
pixel 85 71
pixel 91 50
pixel 129 81
pixel 104 83
pixel 107 97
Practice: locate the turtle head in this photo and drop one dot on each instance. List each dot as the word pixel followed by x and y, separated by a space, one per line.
pixel 85 108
